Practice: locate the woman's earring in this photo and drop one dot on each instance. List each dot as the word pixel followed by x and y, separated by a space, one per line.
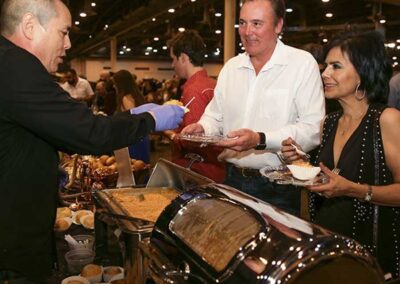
pixel 358 97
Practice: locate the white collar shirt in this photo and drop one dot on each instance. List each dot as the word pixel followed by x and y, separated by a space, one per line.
pixel 284 100
pixel 82 90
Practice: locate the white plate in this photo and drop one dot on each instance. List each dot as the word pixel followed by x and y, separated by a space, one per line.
pixel 85 219
pixel 282 175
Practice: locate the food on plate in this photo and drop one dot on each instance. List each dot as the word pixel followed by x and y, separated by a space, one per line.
pixel 80 214
pixel 90 270
pixel 174 102
pixel 302 163
pixel 110 161
pixel 61 224
pixel 87 221
pixel 63 212
pixel 113 270
pixel 119 281
pixel 103 159
pixel 304 173
pixel 138 165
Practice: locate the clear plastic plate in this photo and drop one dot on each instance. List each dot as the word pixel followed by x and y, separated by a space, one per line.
pixel 281 175
pixel 202 139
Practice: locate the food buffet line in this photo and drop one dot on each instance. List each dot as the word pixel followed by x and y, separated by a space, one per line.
pixel 181 227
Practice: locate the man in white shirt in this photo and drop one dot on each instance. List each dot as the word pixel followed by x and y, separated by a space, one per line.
pixel 77 87
pixel 270 93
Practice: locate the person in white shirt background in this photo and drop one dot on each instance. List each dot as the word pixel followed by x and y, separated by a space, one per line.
pixel 77 87
pixel 271 92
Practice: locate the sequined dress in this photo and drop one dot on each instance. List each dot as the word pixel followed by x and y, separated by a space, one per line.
pixel 350 216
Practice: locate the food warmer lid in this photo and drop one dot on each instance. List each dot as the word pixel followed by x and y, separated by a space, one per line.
pixel 222 234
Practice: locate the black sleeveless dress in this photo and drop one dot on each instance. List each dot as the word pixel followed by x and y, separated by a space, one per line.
pixel 352 217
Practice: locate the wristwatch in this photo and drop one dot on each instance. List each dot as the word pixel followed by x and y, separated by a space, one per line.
pixel 368 195
pixel 262 145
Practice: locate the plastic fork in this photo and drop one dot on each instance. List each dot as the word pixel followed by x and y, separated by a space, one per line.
pixel 300 152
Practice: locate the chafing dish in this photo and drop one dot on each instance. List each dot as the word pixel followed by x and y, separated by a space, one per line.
pixel 214 233
pixel 166 178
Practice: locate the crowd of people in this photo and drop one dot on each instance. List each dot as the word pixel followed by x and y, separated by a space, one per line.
pixel 268 99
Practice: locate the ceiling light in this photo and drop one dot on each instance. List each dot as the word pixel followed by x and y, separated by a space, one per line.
pixel 329 15
pixel 77 23
pixel 124 46
pixel 236 26
pixel 164 47
pixel 398 47
pixel 193 0
pixel 398 40
pixel 382 21
pixel 325 1
pixel 171 10
pixel 280 36
pixel 391 45
pixel 146 53
pixel 93 4
pixel 206 55
pixel 82 14
pixel 243 48
pixel 90 36
pixel 325 40
pixel 218 32
pixel 156 39
pixel 218 14
pixel 155 50
pixel 105 27
pixel 289 10
pixel 128 49
pixel 121 52
pixel 395 64
pixel 181 29
pixel 149 48
pixel 394 57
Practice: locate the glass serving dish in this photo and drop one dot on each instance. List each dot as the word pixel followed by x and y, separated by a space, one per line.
pixel 202 139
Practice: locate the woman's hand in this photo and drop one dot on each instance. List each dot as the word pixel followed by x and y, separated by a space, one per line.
pixel 336 186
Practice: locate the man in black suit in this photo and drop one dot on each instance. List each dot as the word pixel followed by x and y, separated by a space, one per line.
pixel 38 118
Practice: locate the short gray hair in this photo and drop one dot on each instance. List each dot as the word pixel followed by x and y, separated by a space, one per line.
pixel 12 12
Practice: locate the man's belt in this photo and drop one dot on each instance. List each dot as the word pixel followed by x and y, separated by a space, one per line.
pixel 246 172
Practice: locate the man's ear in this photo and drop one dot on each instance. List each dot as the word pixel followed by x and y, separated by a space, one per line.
pixel 184 58
pixel 28 25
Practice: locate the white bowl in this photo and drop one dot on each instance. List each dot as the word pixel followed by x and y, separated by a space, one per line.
pixel 70 279
pixel 304 173
pixel 107 277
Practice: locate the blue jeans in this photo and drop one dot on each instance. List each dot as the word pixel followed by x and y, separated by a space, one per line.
pixel 285 197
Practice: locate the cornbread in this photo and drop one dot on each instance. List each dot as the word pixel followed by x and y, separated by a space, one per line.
pixel 91 270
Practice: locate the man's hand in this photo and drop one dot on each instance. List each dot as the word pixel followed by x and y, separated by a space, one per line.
pixel 194 128
pixel 241 140
pixel 167 116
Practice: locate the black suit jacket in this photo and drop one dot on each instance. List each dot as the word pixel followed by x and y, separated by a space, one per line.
pixel 38 118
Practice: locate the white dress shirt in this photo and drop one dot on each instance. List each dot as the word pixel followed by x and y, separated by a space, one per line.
pixel 284 100
pixel 82 90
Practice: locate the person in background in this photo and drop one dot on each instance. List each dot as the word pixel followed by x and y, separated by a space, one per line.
pixel 394 95
pixel 129 96
pixel 187 51
pixel 270 92
pixel 362 141
pixel 77 87
pixel 38 119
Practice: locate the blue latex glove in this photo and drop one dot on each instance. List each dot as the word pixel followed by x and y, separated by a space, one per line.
pixel 168 116
pixel 143 108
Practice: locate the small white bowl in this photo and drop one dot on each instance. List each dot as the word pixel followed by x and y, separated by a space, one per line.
pixel 304 173
pixel 70 279
pixel 107 277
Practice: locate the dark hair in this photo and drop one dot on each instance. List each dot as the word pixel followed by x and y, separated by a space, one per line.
pixel 190 43
pixel 367 53
pixel 278 6
pixel 126 85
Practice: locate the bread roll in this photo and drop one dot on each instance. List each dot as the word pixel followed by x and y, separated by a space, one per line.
pixel 61 224
pixel 79 215
pixel 103 159
pixel 90 270
pixel 110 161
pixel 112 270
pixel 139 165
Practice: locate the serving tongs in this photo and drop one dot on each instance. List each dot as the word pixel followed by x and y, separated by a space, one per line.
pixel 125 175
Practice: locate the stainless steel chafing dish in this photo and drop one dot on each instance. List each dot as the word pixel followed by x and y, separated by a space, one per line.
pixel 165 179
pixel 214 233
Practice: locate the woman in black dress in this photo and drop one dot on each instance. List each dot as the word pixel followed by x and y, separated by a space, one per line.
pixel 363 141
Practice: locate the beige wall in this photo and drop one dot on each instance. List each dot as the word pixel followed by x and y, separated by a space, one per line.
pixel 91 68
